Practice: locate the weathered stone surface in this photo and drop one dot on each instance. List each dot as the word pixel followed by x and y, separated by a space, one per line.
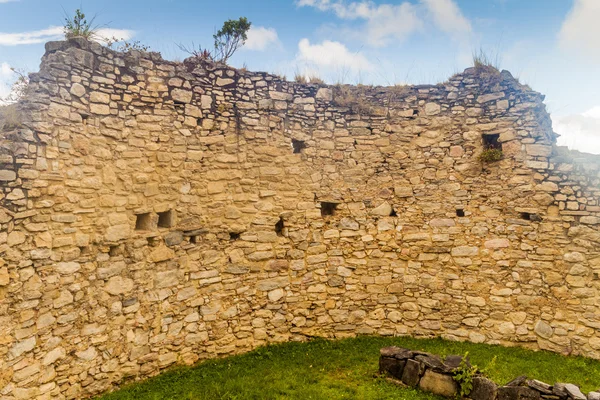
pixel 160 206
pixel 412 373
pixel 483 389
pixel 439 384
pixel 384 209
pixel 118 285
pixel 183 96
pixel 593 395
pixel 7 175
pixel 517 393
pixel 540 386
pixel 4 276
pixel 392 366
pixel 574 392
pixel 543 329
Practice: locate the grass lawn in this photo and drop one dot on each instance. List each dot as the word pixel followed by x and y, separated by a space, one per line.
pixel 345 369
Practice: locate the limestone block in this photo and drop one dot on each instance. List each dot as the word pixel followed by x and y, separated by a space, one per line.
pixel 4 276
pixel 432 109
pixel 464 251
pixel 161 253
pixel 392 366
pixel 23 347
pixel 7 175
pixel 324 94
pixel 181 95
pixel 538 150
pixel 67 268
pixel 77 89
pixel 411 375
pixel 99 97
pixel 490 97
pixel 442 222
pixel 15 238
pixel 517 393
pixel 574 392
pixel 483 389
pixel 117 285
pixel 543 329
pixel 439 384
pixel 496 243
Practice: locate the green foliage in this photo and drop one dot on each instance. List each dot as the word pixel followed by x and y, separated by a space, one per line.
pixel 464 374
pixel 230 37
pixel 344 369
pixel 125 45
pixel 78 26
pixel 490 155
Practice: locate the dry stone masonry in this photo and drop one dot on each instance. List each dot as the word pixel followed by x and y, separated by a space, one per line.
pixel 154 213
pixel 430 373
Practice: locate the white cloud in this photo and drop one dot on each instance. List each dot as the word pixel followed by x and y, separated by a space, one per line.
pixel 7 1
pixel 57 33
pixel 260 38
pixel 330 56
pixel 580 30
pixel 384 22
pixel 110 33
pixel 447 16
pixel 579 131
pixel 32 37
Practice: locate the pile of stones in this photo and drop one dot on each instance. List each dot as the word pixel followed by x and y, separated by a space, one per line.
pixel 432 374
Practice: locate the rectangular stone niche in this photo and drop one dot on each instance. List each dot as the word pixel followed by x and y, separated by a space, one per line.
pixel 166 219
pixel 298 146
pixel 491 141
pixel 144 222
pixel 328 208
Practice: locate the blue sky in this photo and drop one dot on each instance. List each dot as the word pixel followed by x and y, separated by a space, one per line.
pixel 553 45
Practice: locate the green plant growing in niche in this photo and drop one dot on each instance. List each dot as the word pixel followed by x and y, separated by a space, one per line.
pixel 490 155
pixel 78 26
pixel 230 37
pixel 464 374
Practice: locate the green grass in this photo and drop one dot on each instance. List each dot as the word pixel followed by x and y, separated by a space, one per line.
pixel 345 369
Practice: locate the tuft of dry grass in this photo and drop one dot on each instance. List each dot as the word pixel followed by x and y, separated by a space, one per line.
pixel 483 62
pixel 352 98
pixel 316 79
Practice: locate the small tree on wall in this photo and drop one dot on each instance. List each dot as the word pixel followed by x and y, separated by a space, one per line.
pixel 230 38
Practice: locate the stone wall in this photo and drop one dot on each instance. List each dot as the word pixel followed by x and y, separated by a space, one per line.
pixel 155 213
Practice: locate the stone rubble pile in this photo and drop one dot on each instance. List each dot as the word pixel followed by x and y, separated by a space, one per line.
pixel 430 373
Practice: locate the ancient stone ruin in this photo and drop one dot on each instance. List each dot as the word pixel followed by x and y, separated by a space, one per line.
pixel 430 373
pixel 154 213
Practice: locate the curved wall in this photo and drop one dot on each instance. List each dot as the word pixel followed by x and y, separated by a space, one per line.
pixel 155 212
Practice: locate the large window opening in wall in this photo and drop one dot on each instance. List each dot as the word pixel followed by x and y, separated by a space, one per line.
pixel 298 146
pixel 166 219
pixel 460 212
pixel 143 222
pixel 328 208
pixel 492 142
